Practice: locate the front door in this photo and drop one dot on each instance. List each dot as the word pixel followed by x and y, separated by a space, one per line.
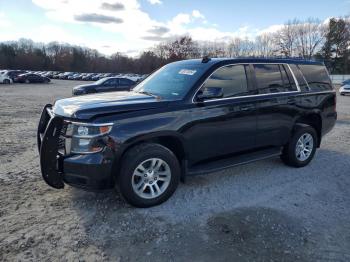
pixel 225 125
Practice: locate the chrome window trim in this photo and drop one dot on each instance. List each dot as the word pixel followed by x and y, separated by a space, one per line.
pixel 295 79
pixel 320 92
pixel 237 97
pixel 301 73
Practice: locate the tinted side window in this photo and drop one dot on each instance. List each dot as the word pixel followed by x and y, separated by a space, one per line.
pixel 301 81
pixel 288 81
pixel 316 76
pixel 109 82
pixel 124 82
pixel 232 79
pixel 269 79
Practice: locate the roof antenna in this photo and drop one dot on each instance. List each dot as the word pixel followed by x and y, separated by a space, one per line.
pixel 206 59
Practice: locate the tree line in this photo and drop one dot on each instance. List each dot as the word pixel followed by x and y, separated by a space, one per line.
pixel 309 39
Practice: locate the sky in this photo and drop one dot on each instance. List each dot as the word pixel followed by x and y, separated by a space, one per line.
pixel 131 26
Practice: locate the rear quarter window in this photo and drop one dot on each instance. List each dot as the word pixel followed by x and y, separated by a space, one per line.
pixel 317 77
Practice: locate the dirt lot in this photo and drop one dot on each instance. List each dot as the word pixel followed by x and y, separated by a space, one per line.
pixel 264 211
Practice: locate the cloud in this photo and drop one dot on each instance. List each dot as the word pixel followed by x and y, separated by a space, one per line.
pixel 155 2
pixel 159 30
pixel 97 18
pixel 4 22
pixel 128 27
pixel 113 7
pixel 181 19
pixel 270 29
pixel 197 14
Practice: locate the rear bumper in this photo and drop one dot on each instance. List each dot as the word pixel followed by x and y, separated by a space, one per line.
pixel 86 171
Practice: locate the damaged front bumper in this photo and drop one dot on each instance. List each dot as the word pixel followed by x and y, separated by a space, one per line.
pixel 87 171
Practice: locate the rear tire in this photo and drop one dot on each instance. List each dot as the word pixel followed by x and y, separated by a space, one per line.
pixel 301 148
pixel 149 175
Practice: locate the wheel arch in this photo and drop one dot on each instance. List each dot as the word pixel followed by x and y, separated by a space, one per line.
pixel 314 120
pixel 171 140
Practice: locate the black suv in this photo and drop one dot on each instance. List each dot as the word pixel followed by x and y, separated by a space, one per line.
pixel 189 117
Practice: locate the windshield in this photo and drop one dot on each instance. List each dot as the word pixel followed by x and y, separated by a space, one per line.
pixel 99 82
pixel 171 82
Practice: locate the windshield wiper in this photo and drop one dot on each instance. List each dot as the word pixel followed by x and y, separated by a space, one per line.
pixel 148 93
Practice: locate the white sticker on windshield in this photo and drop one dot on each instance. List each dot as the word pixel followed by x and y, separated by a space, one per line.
pixel 187 72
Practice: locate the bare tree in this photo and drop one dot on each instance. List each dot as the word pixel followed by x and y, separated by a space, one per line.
pixel 310 35
pixel 285 38
pixel 241 47
pixel 265 45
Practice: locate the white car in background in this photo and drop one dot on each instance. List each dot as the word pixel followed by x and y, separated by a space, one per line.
pixel 345 88
pixel 4 78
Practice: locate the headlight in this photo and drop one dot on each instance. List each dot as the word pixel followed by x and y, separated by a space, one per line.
pixel 87 138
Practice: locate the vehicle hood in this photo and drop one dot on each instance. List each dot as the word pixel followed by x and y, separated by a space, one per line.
pixel 89 106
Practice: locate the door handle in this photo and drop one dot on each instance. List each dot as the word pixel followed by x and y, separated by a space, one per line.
pixel 246 107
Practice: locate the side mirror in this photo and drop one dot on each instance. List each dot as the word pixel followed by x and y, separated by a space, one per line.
pixel 209 93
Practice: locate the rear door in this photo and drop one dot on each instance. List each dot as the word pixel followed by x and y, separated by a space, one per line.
pixel 125 84
pixel 33 78
pixel 276 103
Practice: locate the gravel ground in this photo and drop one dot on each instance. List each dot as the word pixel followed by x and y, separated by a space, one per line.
pixel 263 211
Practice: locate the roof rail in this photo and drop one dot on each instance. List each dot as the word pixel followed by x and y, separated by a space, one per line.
pixel 281 57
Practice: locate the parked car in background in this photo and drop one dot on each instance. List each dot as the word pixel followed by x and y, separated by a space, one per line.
pixel 134 77
pixel 345 82
pixel 190 117
pixel 57 75
pixel 97 77
pixel 14 73
pixel 73 76
pixel 80 76
pixel 107 84
pixel 88 77
pixel 5 78
pixel 52 74
pixel 66 75
pixel 345 88
pixel 32 78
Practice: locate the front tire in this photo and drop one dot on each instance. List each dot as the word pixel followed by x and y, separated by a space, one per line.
pixel 6 81
pixel 301 148
pixel 150 174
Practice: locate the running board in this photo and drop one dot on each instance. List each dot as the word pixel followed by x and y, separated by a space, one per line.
pixel 241 159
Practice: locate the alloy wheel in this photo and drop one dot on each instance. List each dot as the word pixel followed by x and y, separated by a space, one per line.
pixel 304 147
pixel 151 178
